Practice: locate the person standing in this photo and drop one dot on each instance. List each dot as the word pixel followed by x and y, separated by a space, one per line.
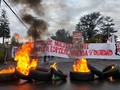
pixel 116 50
pixel 6 51
pixel 45 58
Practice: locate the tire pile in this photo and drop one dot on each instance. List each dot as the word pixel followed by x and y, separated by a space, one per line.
pixel 43 74
pixel 39 74
pixel 109 71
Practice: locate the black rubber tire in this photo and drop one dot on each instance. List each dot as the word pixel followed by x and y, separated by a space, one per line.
pixel 59 73
pixel 81 76
pixel 40 75
pixel 108 71
pixel 7 77
pixel 21 76
pixel 42 69
pixel 95 71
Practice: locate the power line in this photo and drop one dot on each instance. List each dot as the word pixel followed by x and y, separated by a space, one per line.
pixel 14 5
pixel 14 23
pixel 15 14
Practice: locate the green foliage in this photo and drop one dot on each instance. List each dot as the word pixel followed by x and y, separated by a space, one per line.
pixel 1 53
pixel 92 40
pixel 107 28
pixel 14 42
pixel 93 24
pixel 88 24
pixel 62 36
pixel 4 26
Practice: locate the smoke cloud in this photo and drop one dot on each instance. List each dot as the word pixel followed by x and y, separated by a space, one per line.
pixel 37 26
pixel 35 5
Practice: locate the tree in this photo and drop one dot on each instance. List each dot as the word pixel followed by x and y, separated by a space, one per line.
pixel 62 36
pixel 107 28
pixel 88 24
pixel 14 42
pixel 93 24
pixel 4 26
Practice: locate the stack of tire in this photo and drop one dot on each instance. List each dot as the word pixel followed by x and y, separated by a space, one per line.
pixel 81 76
pixel 111 72
pixel 39 74
pixel 108 71
pixel 43 74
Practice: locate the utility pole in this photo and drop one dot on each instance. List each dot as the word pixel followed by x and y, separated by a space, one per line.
pixel 35 36
pixel 35 31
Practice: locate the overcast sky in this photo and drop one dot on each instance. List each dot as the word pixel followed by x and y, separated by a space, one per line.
pixel 63 13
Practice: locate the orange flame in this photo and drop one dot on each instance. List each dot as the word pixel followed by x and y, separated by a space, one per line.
pixel 16 35
pixel 24 63
pixel 11 69
pixel 111 78
pixel 80 65
pixel 54 65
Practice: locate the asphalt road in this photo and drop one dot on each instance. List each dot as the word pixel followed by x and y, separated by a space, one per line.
pixel 66 66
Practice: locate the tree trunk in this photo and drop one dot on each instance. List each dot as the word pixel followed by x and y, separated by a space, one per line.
pixel 3 40
pixel 3 48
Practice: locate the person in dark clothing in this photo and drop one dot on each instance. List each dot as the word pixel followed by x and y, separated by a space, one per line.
pixel 45 58
pixel 48 58
pixel 116 50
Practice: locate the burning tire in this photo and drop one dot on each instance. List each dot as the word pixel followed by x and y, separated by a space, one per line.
pixel 59 74
pixel 81 76
pixel 21 76
pixel 40 75
pixel 7 77
pixel 95 71
pixel 111 70
pixel 42 69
